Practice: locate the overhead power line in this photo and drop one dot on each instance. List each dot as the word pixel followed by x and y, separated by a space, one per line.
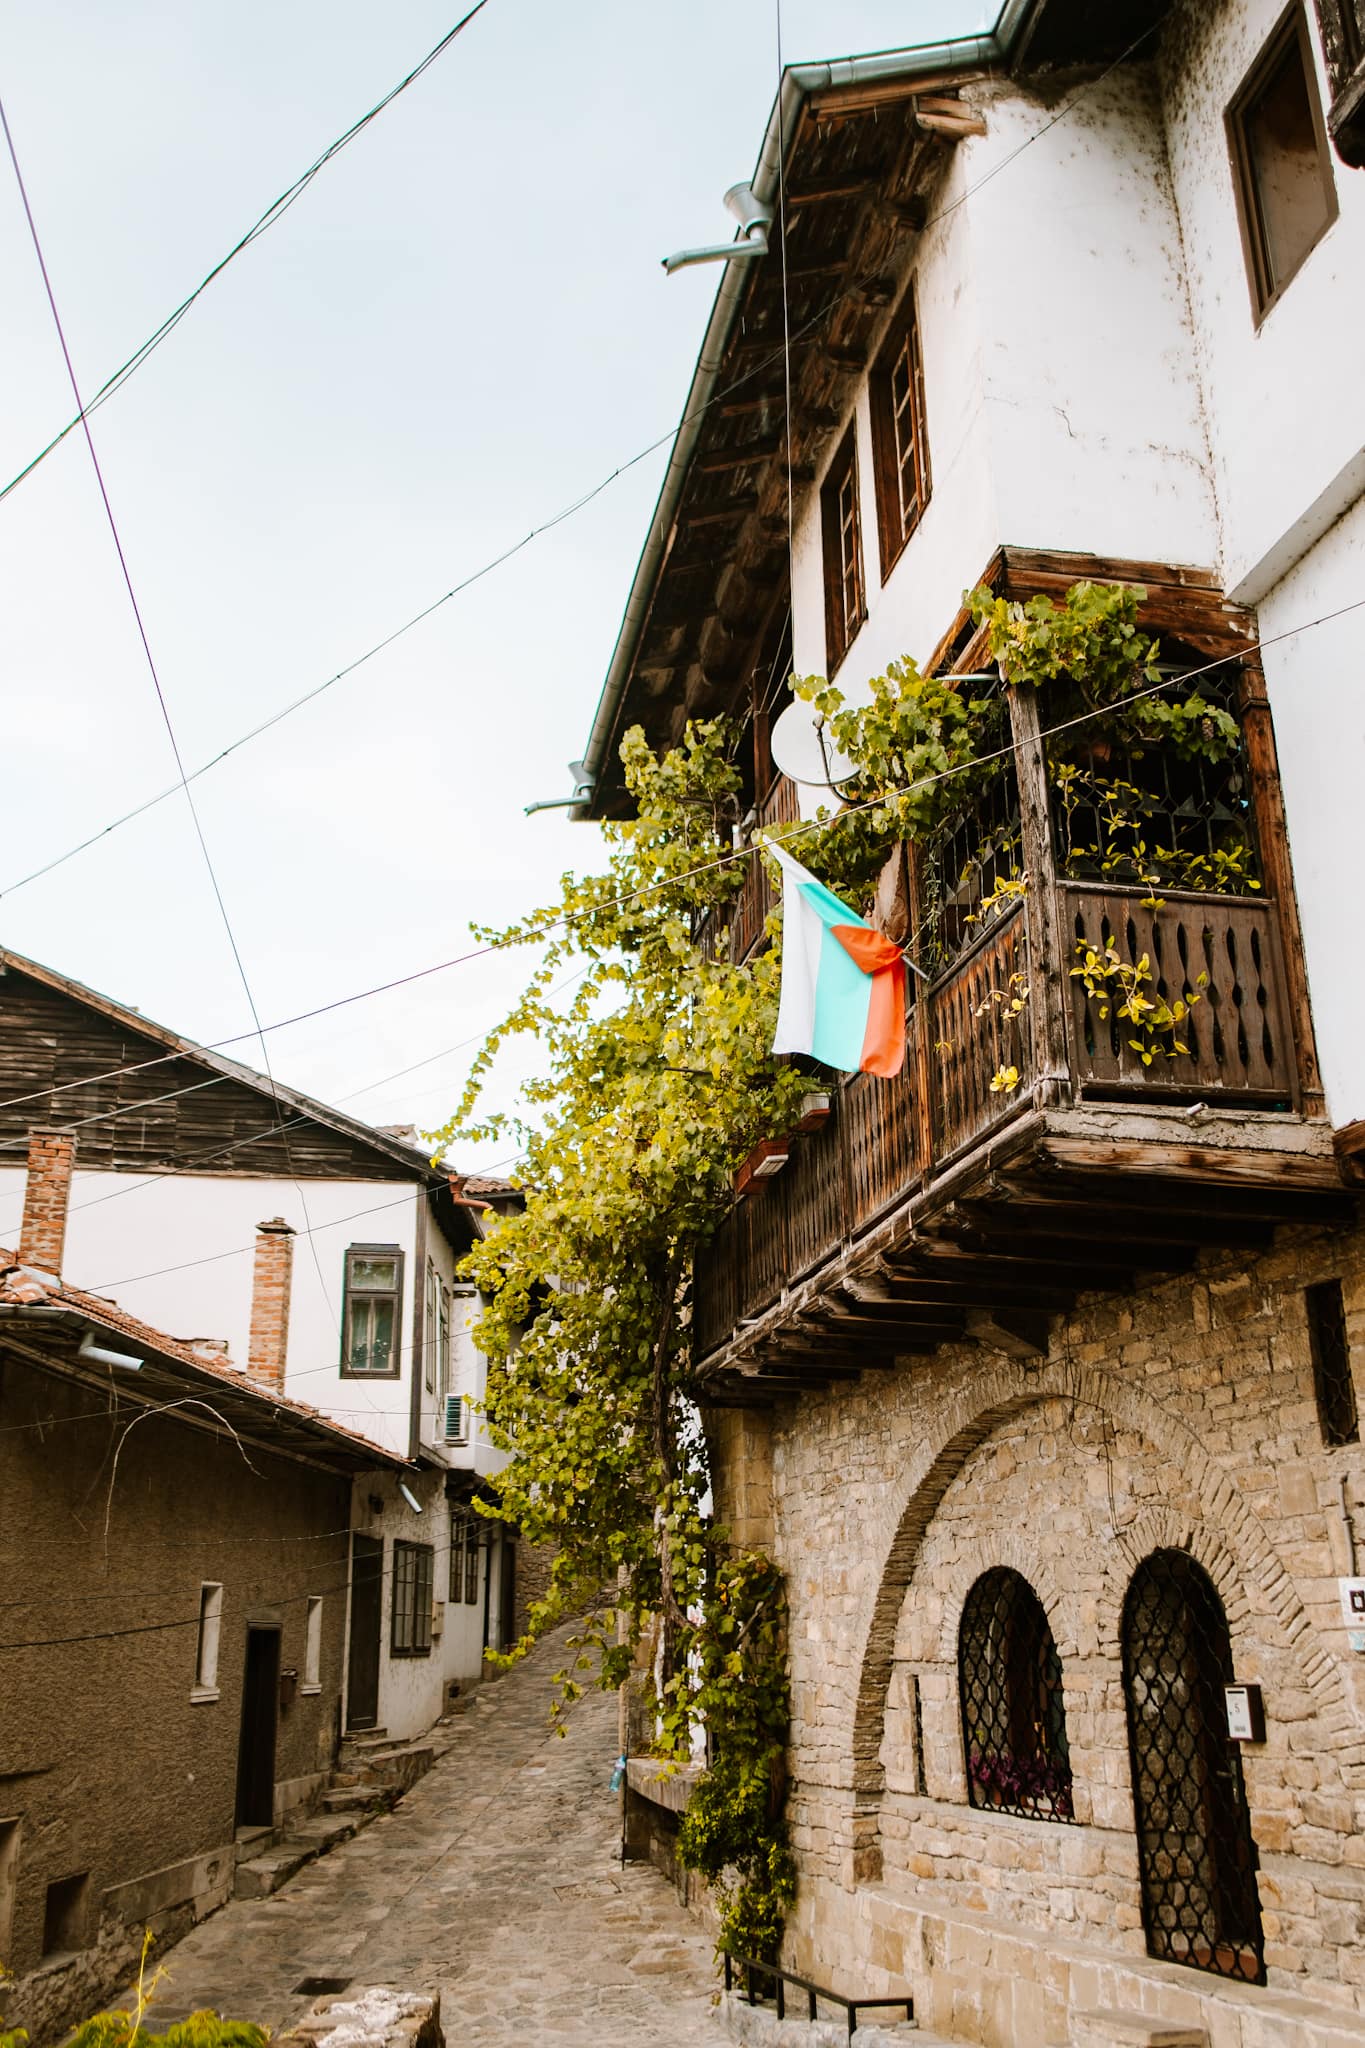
pixel 780 352
pixel 274 212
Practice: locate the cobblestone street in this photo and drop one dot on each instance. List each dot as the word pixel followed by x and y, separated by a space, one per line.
pixel 497 1881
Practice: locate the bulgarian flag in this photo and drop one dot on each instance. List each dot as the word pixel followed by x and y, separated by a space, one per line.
pixel 843 984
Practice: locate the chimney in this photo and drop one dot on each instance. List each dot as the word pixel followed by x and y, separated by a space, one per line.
pixel 270 1284
pixel 42 1234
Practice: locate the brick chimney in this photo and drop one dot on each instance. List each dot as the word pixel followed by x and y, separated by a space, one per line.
pixel 270 1283
pixel 42 1234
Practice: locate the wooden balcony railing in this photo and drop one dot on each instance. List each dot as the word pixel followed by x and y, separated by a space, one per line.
pixel 735 932
pixel 884 1139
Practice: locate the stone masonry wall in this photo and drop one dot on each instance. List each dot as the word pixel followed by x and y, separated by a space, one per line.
pixel 1180 1416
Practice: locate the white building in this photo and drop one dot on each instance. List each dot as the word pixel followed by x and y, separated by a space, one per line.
pixel 320 1255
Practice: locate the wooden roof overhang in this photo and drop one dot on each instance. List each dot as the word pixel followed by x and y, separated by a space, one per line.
pixel 863 160
pixel 1058 1204
pixel 212 1398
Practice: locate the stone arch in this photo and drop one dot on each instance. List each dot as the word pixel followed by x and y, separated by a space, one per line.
pixel 1241 1551
pixel 1005 1548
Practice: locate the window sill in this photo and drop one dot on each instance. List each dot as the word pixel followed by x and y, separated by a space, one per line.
pixel 307 1691
pixel 204 1695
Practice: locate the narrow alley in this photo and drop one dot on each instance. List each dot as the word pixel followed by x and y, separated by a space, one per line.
pixel 497 1881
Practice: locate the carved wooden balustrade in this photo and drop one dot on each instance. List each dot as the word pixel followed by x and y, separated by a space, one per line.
pixel 734 932
pixel 975 1064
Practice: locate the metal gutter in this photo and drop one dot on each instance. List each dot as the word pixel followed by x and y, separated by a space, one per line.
pixel 798 82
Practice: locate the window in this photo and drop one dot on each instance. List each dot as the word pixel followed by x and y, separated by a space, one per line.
pixel 1286 196
pixel 1343 45
pixel 443 1341
pixel 429 1343
pixel 455 1589
pixel 845 601
pixel 206 1651
pixel 1196 1854
pixel 312 1646
pixel 410 1634
pixel 9 1871
pixel 900 439
pixel 472 1546
pixel 1013 1719
pixel 65 1914
pixel 372 1316
pixel 1331 1353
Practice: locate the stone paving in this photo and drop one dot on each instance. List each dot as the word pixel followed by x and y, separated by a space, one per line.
pixel 497 1881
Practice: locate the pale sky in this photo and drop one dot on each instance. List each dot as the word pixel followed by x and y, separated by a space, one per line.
pixel 460 328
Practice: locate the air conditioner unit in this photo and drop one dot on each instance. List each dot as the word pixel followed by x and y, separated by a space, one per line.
pixel 457 1425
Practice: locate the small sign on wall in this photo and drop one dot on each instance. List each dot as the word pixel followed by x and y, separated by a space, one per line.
pixel 1352 1593
pixel 1246 1715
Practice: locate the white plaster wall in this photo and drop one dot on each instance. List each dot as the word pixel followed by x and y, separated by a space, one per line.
pixel 1097 434
pixel 1316 682
pixel 1285 402
pixel 411 1689
pixel 1061 390
pixel 178 1253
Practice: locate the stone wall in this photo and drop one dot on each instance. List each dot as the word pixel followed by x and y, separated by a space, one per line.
pixel 1180 1416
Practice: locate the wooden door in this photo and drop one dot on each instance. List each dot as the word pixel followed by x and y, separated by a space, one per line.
pixel 260 1714
pixel 367 1600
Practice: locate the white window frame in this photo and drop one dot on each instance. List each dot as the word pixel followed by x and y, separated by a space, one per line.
pixel 206 1688
pixel 312 1645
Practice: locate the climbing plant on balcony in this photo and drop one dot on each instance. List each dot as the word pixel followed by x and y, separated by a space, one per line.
pixel 654 1083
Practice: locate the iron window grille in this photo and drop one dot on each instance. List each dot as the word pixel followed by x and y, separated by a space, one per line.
pixel 372 1315
pixel 1286 194
pixel 472 1546
pixel 841 532
pixel 1333 1383
pixel 1013 1717
pixel 1196 1854
pixel 900 435
pixel 413 1578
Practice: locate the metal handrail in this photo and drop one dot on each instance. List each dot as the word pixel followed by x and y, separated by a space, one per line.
pixel 780 1979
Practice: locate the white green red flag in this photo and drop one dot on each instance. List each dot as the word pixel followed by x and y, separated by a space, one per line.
pixel 843 984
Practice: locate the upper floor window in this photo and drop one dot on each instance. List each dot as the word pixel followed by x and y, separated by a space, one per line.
pixel 841 528
pixel 443 1340
pixel 413 1577
pixel 372 1309
pixel 900 439
pixel 430 1340
pixel 1343 46
pixel 1013 1719
pixel 1286 194
pixel 1329 1346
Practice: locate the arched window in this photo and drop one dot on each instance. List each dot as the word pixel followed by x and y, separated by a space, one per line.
pixel 1010 1685
pixel 1195 1847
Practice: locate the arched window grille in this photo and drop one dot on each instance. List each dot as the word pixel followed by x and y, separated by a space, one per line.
pixel 1196 1852
pixel 1010 1685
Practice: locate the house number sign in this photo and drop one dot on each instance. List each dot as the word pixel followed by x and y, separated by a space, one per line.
pixel 1352 1593
pixel 1246 1716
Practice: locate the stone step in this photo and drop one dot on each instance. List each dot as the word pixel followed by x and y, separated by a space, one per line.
pixel 250 1842
pixel 1104 2029
pixel 324 1830
pixel 356 1799
pixel 262 1875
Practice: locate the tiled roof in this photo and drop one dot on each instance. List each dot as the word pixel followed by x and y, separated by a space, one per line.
pixel 269 1413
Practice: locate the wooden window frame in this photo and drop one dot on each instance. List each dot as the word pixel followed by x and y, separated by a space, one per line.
pixel 1290 30
pixel 1341 27
pixel 393 1371
pixel 893 529
pixel 473 1545
pixel 443 1321
pixel 414 1571
pixel 430 1318
pixel 842 473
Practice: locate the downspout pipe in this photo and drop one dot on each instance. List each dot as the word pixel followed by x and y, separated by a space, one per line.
pixel 798 82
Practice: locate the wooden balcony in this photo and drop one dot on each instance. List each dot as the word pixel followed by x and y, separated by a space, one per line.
pixel 939 1206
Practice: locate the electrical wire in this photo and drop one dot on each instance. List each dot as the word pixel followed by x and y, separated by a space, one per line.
pixel 274 212
pixel 780 837
pixel 782 353
pixel 147 651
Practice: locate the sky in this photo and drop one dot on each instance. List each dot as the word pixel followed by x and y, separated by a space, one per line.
pixel 459 329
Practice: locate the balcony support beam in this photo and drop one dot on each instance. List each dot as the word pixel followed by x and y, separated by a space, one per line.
pixel 1049 985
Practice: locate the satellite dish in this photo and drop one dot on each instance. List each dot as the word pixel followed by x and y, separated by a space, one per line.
pixel 804 750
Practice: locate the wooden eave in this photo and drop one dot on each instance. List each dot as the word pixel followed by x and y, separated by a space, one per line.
pixel 1058 1204
pixel 860 173
pixel 212 1398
